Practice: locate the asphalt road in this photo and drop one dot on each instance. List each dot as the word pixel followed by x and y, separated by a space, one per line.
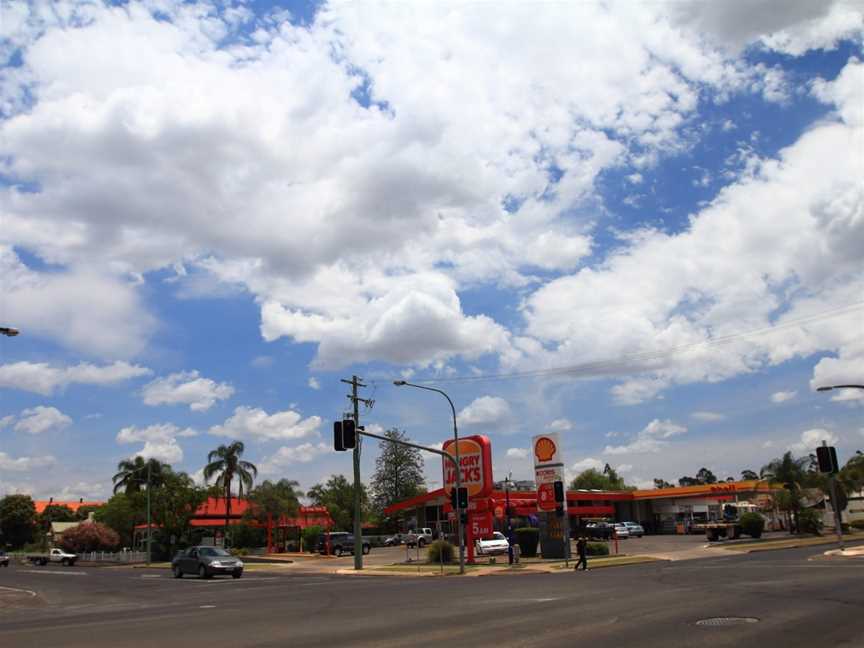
pixel 798 598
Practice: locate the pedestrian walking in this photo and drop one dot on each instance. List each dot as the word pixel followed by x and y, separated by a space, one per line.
pixel 582 550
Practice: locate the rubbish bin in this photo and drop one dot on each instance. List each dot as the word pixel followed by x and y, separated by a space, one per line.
pixel 515 553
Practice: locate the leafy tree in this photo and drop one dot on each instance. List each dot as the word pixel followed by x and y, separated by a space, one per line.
pixel 90 536
pixel 749 474
pixel 84 512
pixel 688 481
pixel 398 472
pixel 337 494
pixel 17 520
pixel 56 513
pixel 173 507
pixel 122 512
pixel 592 479
pixel 705 476
pixel 132 474
pixel 792 473
pixel 274 500
pixel 662 483
pixel 225 463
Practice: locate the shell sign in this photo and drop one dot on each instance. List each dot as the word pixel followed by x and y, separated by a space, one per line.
pixel 475 460
pixel 546 448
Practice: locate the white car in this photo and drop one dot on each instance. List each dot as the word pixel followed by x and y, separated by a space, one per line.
pixel 621 530
pixel 636 530
pixel 497 544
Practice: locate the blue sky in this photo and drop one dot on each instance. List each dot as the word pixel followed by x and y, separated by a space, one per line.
pixel 212 212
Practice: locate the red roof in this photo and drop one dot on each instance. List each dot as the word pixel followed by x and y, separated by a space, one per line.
pixel 41 505
pixel 215 507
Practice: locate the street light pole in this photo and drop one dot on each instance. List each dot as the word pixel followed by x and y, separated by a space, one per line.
pixel 507 483
pixel 8 331
pixel 149 531
pixel 459 531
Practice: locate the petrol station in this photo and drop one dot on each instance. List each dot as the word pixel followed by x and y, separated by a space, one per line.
pixel 664 510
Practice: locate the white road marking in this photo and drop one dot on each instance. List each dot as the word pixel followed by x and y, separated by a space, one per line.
pixel 18 589
pixel 152 576
pixel 60 573
pixel 206 607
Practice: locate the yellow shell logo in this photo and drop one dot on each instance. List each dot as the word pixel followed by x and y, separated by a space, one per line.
pixel 544 449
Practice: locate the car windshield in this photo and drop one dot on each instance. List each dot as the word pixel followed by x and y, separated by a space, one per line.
pixel 212 551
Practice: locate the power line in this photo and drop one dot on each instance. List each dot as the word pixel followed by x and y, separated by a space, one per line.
pixel 609 365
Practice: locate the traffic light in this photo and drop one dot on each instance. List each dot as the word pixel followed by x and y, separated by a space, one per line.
pixel 349 434
pixel 459 499
pixel 827 457
pixel 344 435
pixel 337 436
pixel 559 491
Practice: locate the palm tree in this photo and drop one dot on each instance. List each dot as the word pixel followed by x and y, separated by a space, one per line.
pixel 225 462
pixel 790 472
pixel 132 474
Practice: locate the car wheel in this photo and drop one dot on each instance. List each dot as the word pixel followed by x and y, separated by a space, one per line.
pixel 65 562
pixel 202 572
pixel 178 573
pixel 237 574
pixel 366 550
pixel 338 552
pixel 421 543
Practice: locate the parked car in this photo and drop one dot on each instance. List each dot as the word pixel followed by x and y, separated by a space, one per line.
pixel 598 530
pixel 4 559
pixel 340 542
pixel 621 530
pixel 636 530
pixel 419 538
pixel 206 562
pixel 393 541
pixel 54 555
pixel 497 544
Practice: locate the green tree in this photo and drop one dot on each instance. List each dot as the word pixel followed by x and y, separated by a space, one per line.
pixel 56 513
pixel 225 464
pixel 749 474
pixel 122 513
pixel 174 505
pixel 398 473
pixel 132 474
pixel 792 473
pixel 705 476
pixel 84 512
pixel 337 494
pixel 593 479
pixel 662 483
pixel 274 500
pixel 17 520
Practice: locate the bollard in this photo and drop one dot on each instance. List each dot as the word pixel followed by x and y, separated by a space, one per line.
pixel 516 553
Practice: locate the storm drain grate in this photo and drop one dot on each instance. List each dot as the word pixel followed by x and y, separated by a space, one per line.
pixel 726 621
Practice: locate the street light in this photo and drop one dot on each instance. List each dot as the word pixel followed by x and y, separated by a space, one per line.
pixel 8 331
pixel 149 531
pixel 459 533
pixel 829 388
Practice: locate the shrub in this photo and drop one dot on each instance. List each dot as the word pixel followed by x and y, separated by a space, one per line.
pixel 310 537
pixel 527 539
pixel 752 524
pixel 89 536
pixel 246 535
pixel 810 521
pixel 598 549
pixel 440 551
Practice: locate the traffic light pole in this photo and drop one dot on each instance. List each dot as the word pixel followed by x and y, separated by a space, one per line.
pixel 446 455
pixel 358 501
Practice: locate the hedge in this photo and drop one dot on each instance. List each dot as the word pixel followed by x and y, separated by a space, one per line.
pixel 440 551
pixel 598 549
pixel 752 524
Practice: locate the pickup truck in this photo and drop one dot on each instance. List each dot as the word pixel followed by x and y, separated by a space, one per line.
pixel 419 538
pixel 54 555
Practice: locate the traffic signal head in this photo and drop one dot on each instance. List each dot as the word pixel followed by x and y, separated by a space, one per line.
pixel 827 458
pixel 337 436
pixel 463 498
pixel 349 434
pixel 559 492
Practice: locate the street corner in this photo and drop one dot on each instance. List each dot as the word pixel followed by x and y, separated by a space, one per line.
pixel 19 597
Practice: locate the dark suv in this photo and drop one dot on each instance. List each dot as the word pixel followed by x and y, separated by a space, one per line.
pixel 341 542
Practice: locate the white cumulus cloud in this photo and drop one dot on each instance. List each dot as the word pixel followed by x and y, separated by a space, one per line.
pixel 586 464
pixel 811 439
pixel 286 456
pixel 24 464
pixel 39 419
pixel 186 388
pixel 652 438
pixel 45 379
pixel 517 453
pixel 560 425
pixel 708 417
pixel 255 423
pixel 783 396
pixel 486 410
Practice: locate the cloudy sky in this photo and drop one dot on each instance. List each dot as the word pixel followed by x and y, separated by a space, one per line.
pixel 638 224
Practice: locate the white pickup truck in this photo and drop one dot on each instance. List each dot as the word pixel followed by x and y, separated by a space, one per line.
pixel 54 555
pixel 419 537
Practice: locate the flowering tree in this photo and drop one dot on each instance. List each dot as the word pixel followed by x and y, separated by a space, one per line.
pixel 89 536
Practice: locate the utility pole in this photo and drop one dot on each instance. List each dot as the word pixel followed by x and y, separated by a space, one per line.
pixel 358 530
pixel 149 530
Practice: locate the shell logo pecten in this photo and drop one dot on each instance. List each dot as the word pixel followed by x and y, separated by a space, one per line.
pixel 544 449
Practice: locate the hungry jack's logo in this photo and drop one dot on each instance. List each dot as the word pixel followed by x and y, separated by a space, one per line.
pixel 544 449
